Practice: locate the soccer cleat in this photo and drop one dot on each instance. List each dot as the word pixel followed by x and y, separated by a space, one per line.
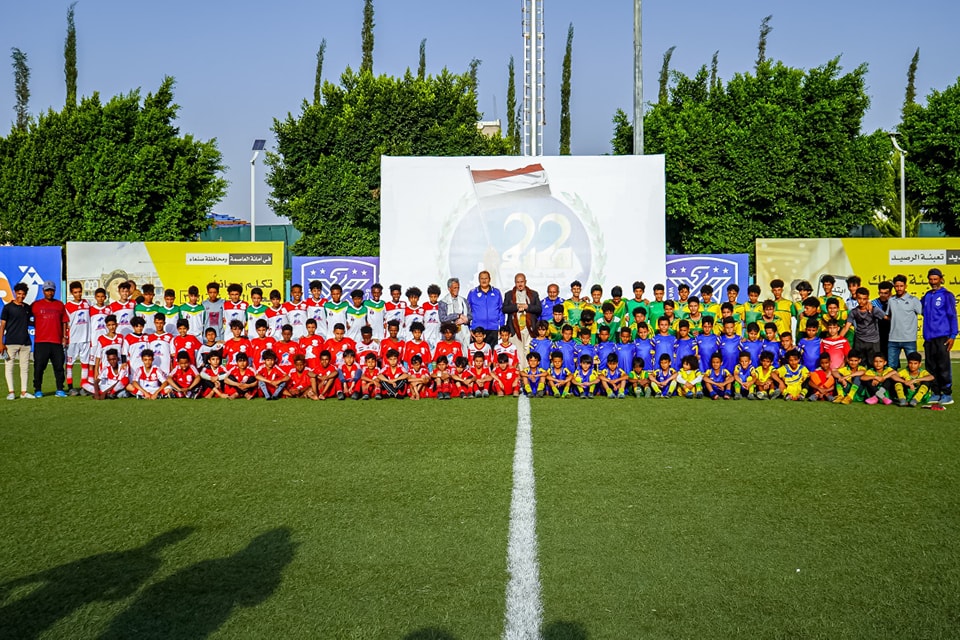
pixel 648 392
pixel 887 400
pixel 934 399
pixel 872 400
pixel 760 395
pixel 378 397
pixel 751 396
pixel 38 394
pixel 775 394
pixel 485 394
pixel 946 399
pixel 847 400
pixel 60 393
pixel 813 398
pixel 902 402
pixel 913 402
pixel 365 397
pixel 690 394
pixel 788 397
pixel 699 395
pixel 341 395
pixel 11 396
pixel 73 393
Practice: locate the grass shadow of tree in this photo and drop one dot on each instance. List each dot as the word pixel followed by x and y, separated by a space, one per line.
pixel 564 630
pixel 103 577
pixel 195 601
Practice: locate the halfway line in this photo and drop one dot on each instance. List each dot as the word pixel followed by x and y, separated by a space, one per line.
pixel 524 607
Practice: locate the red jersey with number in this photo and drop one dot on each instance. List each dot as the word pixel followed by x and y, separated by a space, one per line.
pixel 299 380
pixel 189 343
pixel 392 373
pixel 389 343
pixel 450 350
pixel 233 346
pixel 311 347
pixel 413 348
pixel 337 347
pixel 508 379
pixel 350 372
pixel 184 378
pixel 259 346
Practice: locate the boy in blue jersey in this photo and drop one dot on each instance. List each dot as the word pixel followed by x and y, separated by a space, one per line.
pixel 534 377
pixel 613 378
pixel 686 344
pixel 664 343
pixel 809 345
pixel 717 381
pixel 791 376
pixel 558 376
pixel 604 346
pixel 565 345
pixel 729 346
pixel 585 346
pixel 743 378
pixel 771 342
pixel 625 350
pixel 638 379
pixel 644 347
pixel 753 345
pixel 542 345
pixel 584 381
pixel 663 379
pixel 707 343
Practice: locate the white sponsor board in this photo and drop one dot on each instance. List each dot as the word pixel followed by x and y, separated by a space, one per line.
pixel 556 219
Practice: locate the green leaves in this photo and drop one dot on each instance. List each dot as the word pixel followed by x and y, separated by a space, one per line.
pixel 112 172
pixel 325 176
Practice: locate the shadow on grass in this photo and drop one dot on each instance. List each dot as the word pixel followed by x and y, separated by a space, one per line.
pixel 195 601
pixel 101 578
pixel 564 630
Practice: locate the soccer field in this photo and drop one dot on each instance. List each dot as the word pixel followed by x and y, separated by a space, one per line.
pixel 655 518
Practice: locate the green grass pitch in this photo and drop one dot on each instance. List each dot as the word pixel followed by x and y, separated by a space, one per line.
pixel 655 519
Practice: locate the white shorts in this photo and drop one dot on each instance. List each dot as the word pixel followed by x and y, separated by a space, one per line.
pixel 79 352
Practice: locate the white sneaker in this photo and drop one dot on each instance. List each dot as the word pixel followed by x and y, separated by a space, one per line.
pixel 27 396
pixel 11 396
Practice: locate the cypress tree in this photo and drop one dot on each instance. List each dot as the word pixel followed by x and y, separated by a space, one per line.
pixel 70 57
pixel 422 67
pixel 366 37
pixel 318 78
pixel 21 82
pixel 565 95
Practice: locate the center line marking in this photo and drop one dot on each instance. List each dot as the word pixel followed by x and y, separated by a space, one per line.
pixel 524 613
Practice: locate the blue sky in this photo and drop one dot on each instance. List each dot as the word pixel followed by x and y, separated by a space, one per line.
pixel 239 64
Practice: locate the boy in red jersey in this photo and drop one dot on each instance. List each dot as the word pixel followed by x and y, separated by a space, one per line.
pixel 111 380
pixel 392 341
pixel 110 340
pixel 413 313
pixel 286 348
pixel 835 345
pixel 480 344
pixel 242 380
pixel 123 309
pixel 370 378
pixel 238 343
pixel 262 343
pixel 184 380
pixel 418 379
pixel 148 380
pixel 416 346
pixel 440 379
pixel 327 378
pixel 482 378
pixel 186 342
pixel 273 379
pixel 302 381
pixel 338 343
pixel 349 375
pixel 506 380
pixel 311 344
pixel 394 308
pixel 448 348
pixel 296 312
pixel 212 376
pixel 462 379
pixel 393 379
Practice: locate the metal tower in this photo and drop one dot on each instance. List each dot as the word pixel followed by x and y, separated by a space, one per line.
pixel 534 117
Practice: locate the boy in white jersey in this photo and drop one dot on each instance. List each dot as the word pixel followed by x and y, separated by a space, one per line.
pixel 78 349
pixel 356 315
pixel 148 379
pixel 194 313
pixel 134 344
pixel 170 310
pixel 255 311
pixel 315 308
pixel 110 340
pixel 431 316
pixel 296 312
pixel 507 348
pixel 123 309
pixel 111 381
pixel 336 309
pixel 275 315
pixel 234 308
pixel 394 308
pixel 375 312
pixel 413 312
pixel 161 343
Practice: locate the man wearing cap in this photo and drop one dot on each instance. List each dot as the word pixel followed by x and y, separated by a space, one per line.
pixel 939 332
pixel 50 338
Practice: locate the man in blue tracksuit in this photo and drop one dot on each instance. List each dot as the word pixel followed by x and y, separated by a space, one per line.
pixel 486 308
pixel 939 331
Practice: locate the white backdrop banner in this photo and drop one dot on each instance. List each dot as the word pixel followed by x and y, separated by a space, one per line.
pixel 557 219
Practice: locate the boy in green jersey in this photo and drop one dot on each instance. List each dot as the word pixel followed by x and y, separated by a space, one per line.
pixel 912 385
pixel 255 311
pixel 148 308
pixel 848 381
pixel 193 312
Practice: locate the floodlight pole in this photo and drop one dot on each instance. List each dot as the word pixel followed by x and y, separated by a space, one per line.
pixel 257 148
pixel 638 77
pixel 903 184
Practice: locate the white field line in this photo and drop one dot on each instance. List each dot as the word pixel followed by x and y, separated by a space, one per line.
pixel 524 613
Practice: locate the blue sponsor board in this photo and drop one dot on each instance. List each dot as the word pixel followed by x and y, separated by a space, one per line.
pixel 31 266
pixel 349 272
pixel 717 270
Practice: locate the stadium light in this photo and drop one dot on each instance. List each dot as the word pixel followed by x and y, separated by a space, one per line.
pixel 257 148
pixel 903 183
pixel 638 78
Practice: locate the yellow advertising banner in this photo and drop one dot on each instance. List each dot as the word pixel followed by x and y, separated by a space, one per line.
pixel 873 259
pixel 175 265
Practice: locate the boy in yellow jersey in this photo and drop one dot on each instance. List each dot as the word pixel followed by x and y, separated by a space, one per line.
pixel 694 316
pixel 752 309
pixel 782 307
pixel 596 301
pixel 804 291
pixel 810 311
pixel 638 379
pixel 663 379
pixel 574 305
pixel 680 307
pixel 555 328
pixel 619 304
pixel 764 379
pixel 709 307
pixel 879 381
pixel 770 315
pixel 613 378
pixel 743 384
pixel 848 383
pixel 791 376
pixel 726 311
pixel 534 377
pixel 827 283
pixel 689 378
pixel 912 385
